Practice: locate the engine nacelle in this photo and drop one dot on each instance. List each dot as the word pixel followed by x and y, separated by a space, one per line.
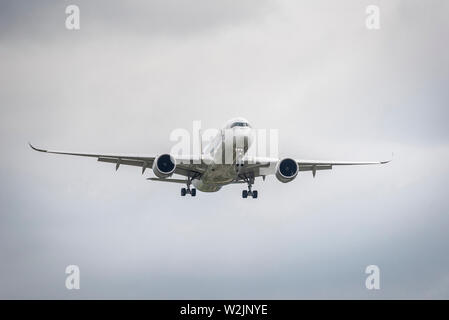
pixel 286 170
pixel 164 166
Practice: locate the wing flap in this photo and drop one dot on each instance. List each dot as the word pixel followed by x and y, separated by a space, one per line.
pixel 315 167
pixel 127 162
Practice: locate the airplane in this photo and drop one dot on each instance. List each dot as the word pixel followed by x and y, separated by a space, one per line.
pixel 224 161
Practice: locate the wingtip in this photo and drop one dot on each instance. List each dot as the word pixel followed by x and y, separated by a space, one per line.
pixel 387 161
pixel 36 149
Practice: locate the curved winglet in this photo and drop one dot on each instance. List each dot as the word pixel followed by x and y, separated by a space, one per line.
pixel 392 155
pixel 36 149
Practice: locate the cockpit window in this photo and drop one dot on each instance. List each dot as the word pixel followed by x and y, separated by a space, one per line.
pixel 239 124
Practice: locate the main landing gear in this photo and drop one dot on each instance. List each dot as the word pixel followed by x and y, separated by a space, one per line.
pixel 249 192
pixel 187 190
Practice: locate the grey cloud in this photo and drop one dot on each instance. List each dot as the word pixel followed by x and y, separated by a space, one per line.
pixel 335 91
pixel 45 20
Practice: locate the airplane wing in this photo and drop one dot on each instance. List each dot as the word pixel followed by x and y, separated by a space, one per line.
pixel 144 162
pixel 315 165
pixel 258 167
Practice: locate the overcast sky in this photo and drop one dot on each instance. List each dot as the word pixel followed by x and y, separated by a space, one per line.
pixel 132 74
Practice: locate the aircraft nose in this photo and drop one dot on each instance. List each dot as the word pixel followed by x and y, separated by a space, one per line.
pixel 240 131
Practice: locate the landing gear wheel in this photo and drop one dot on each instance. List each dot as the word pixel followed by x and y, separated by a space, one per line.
pixel 193 192
pixel 183 192
pixel 249 192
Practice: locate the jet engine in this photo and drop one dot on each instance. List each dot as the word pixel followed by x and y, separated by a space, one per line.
pixel 164 166
pixel 286 170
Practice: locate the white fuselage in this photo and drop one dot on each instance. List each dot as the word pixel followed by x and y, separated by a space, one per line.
pixel 223 154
